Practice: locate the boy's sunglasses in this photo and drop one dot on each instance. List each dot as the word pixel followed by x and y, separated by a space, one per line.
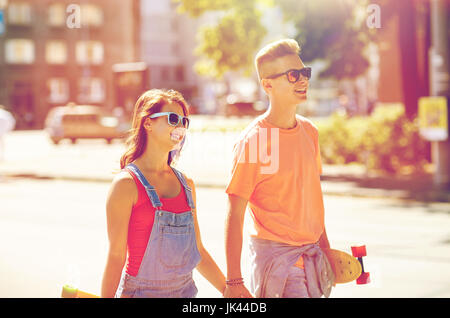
pixel 173 118
pixel 293 75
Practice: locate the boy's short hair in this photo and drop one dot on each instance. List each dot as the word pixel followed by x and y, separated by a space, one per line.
pixel 275 50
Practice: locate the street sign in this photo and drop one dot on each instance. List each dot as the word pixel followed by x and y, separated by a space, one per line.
pixel 2 22
pixel 433 122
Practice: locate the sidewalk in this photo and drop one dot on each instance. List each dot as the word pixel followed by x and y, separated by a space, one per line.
pixel 355 180
pixel 30 155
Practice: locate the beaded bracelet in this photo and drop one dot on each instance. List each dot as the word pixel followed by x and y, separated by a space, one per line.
pixel 235 282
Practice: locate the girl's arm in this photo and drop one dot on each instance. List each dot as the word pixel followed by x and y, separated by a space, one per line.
pixel 121 198
pixel 207 266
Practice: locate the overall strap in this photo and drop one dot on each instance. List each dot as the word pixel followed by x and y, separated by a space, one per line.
pixel 187 189
pixel 151 192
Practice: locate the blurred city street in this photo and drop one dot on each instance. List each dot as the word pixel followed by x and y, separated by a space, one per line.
pixel 372 76
pixel 54 232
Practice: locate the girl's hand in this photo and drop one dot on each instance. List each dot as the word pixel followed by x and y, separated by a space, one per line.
pixel 236 291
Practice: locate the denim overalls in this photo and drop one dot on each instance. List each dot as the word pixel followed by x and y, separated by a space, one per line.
pixel 171 253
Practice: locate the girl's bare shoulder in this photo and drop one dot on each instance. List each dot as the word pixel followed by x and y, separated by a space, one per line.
pixel 123 185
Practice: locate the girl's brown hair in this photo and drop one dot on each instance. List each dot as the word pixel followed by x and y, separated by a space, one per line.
pixel 149 103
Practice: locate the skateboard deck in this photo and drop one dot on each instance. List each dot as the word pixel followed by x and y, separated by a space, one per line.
pixel 346 268
pixel 71 292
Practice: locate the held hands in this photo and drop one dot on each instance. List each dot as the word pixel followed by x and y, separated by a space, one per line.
pixel 235 289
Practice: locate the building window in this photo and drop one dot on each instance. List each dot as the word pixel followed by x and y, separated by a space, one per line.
pixel 56 52
pixel 19 13
pixel 58 90
pixel 91 15
pixel 89 52
pixel 179 73
pixel 165 73
pixel 19 51
pixel 56 15
pixel 91 90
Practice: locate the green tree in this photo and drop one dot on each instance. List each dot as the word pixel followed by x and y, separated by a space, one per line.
pixel 327 29
pixel 336 31
pixel 333 31
pixel 230 44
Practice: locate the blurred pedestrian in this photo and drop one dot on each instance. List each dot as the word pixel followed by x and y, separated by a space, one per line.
pixel 286 204
pixel 7 123
pixel 151 209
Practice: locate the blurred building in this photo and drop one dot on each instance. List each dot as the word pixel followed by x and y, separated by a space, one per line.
pixel 167 44
pixel 57 51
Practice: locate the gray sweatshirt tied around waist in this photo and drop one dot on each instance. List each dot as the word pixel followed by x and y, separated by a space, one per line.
pixel 271 261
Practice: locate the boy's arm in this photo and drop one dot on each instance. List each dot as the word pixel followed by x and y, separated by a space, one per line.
pixel 233 245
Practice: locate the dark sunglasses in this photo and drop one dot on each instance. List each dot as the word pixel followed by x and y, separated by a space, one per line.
pixel 173 118
pixel 293 75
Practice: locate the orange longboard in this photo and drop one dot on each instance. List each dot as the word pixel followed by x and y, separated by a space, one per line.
pixel 346 267
pixel 70 292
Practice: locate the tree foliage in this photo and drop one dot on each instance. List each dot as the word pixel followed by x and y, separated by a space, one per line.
pixel 230 44
pixel 333 31
pixel 328 30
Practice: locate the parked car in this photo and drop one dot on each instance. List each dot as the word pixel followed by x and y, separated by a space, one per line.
pixel 238 106
pixel 82 121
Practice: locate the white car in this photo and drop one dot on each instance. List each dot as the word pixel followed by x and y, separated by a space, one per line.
pixel 83 121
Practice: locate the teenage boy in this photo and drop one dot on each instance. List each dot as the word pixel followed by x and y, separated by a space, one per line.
pixel 284 197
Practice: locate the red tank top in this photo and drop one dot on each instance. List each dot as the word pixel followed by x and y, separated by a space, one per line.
pixel 141 222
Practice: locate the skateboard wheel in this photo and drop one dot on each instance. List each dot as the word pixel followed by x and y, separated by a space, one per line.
pixel 363 279
pixel 359 251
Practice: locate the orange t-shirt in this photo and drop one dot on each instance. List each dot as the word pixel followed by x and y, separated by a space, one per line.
pixel 278 172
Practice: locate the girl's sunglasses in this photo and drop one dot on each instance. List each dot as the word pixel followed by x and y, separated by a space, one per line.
pixel 293 75
pixel 173 118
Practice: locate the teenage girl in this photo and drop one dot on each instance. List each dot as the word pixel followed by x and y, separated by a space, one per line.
pixel 151 210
